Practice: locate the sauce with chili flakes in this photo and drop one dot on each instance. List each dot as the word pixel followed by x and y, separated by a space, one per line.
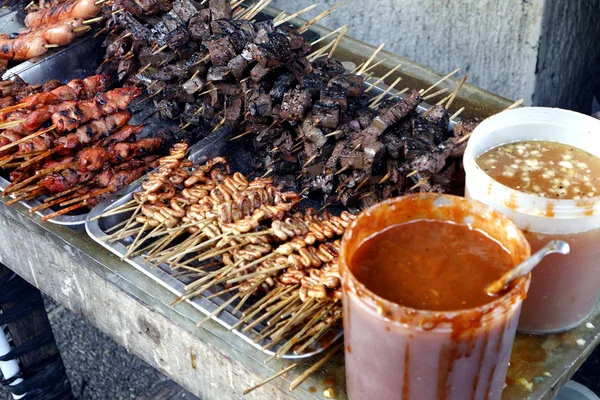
pixel 431 265
pixel 545 169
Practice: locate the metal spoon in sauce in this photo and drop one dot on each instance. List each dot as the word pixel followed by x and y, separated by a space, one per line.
pixel 555 246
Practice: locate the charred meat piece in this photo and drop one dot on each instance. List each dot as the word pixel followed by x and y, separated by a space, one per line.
pixel 92 158
pixel 125 151
pixel 199 25
pixel 326 114
pixel 314 83
pixel 259 104
pixel 335 94
pixel 281 85
pixel 351 84
pixel 220 48
pixel 237 66
pixel 438 115
pixel 217 73
pixel 328 66
pixel 185 10
pixel 295 104
pixel 393 144
pixel 259 72
pixel 423 128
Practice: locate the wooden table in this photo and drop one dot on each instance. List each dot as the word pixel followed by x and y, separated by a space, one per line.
pixel 211 362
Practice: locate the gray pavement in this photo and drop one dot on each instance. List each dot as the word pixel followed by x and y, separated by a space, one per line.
pixel 100 369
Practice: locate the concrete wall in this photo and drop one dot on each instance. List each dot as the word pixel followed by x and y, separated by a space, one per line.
pixel 508 47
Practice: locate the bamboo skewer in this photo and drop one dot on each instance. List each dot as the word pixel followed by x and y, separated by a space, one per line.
pixel 319 17
pixel 457 113
pixel 26 138
pixel 455 92
pixel 423 92
pixel 378 81
pixel 370 59
pixel 328 35
pixel 435 94
pixel 294 15
pixel 378 99
pixel 269 379
pixel 298 381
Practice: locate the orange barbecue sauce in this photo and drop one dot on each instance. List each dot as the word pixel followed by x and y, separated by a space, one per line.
pixel 431 265
pixel 546 169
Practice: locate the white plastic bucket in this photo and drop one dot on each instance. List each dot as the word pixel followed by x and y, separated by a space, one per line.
pixel 564 289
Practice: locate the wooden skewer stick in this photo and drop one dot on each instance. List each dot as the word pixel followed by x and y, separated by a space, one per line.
pixel 298 381
pixel 457 113
pixel 416 185
pixel 380 98
pixel 375 65
pixel 93 20
pixel 26 138
pixel 13 108
pixel 248 11
pixel 151 96
pixel 160 49
pixel 47 204
pixel 515 104
pixel 294 15
pixel 56 168
pixel 314 337
pixel 144 68
pixel 378 81
pixel 442 101
pixel 258 9
pixel 16 199
pixel 11 123
pixel 82 29
pixel 319 17
pixel 65 210
pixel 432 95
pixel 101 31
pixel 455 92
pixel 334 133
pixel 16 185
pixel 219 309
pixel 50 46
pixel 366 64
pixel 93 193
pixel 240 135
pixel 336 42
pixel 412 173
pixel 422 92
pixel 116 12
pixel 269 379
pixel 29 5
pixel 328 35
pixel 266 271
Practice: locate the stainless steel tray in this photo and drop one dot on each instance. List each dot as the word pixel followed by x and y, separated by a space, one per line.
pixel 240 159
pixel 79 60
pixel 213 146
pixel 63 65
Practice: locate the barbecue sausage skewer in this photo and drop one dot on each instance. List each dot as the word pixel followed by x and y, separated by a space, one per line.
pixel 60 33
pixel 22 48
pixel 71 9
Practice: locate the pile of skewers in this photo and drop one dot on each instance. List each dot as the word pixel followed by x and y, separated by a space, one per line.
pixel 313 121
pixel 50 24
pixel 87 152
pixel 246 235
